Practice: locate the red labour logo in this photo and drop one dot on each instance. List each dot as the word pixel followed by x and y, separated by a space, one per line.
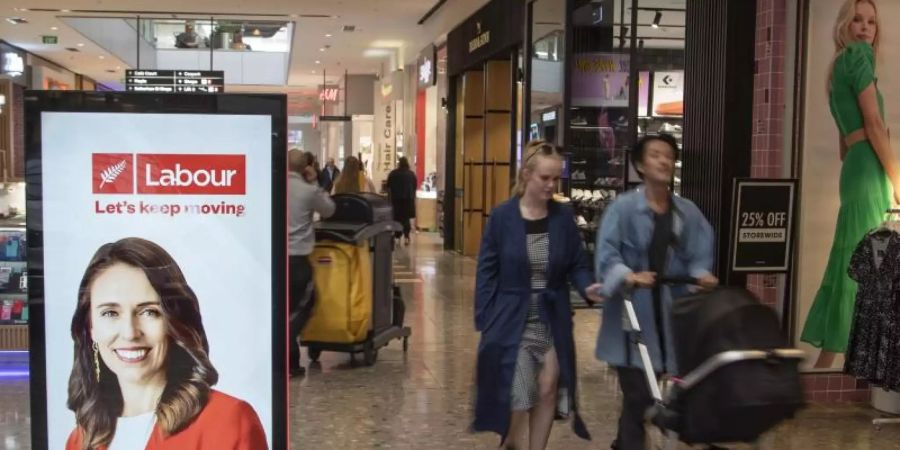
pixel 113 173
pixel 191 174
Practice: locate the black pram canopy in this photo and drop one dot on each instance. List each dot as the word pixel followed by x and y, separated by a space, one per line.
pixel 725 319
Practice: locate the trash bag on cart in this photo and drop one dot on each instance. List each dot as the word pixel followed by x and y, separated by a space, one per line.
pixel 343 280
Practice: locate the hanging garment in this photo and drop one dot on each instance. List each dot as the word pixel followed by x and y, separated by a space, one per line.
pixel 873 353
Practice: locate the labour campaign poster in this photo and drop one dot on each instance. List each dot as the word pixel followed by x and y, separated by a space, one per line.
pixel 157 279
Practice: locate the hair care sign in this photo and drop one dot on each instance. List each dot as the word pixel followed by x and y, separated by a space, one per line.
pixel 158 279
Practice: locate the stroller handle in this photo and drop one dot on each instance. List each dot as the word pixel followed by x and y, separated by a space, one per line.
pixel 677 280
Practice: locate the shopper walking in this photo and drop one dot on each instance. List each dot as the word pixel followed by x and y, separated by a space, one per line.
pixel 353 178
pixel 305 198
pixel 401 186
pixel 868 172
pixel 644 234
pixel 328 175
pixel 530 252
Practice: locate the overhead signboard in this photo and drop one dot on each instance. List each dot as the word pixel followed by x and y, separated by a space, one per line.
pixel 175 81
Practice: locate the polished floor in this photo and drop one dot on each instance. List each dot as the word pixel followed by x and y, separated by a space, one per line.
pixel 421 399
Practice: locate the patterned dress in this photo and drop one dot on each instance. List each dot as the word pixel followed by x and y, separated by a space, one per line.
pixel 873 353
pixel 537 339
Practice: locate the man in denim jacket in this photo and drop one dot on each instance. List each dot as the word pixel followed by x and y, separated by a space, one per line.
pixel 647 233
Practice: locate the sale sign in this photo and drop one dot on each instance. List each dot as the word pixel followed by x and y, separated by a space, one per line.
pixel 763 225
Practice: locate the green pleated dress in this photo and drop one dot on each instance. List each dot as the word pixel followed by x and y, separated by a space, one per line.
pixel 865 196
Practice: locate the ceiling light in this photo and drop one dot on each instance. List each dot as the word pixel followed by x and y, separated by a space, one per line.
pixel 656 19
pixel 16 20
pixel 54 28
pixel 118 67
pixel 80 44
pixel 318 62
pixel 328 35
pixel 102 57
pixel 322 49
pixel 66 10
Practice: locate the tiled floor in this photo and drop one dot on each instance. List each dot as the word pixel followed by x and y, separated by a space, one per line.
pixel 421 399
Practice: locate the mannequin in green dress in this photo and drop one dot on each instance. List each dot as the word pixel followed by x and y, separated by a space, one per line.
pixel 868 173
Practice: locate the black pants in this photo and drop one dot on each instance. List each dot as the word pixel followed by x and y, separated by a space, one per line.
pixel 407 228
pixel 636 398
pixel 301 300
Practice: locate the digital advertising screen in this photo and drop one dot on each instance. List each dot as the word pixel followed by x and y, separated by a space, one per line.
pixel 159 311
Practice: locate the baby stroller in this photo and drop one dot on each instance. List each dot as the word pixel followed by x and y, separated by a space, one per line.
pixel 737 378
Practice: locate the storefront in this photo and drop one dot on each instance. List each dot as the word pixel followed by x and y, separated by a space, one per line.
pixel 484 66
pixel 819 163
pixel 430 134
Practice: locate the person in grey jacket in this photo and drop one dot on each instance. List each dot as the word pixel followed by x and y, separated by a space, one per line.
pixel 645 234
pixel 305 197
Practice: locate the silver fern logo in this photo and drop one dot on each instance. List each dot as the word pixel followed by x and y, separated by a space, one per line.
pixel 109 175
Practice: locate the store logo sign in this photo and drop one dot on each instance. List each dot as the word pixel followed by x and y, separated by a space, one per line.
pixel 481 39
pixel 113 173
pixel 169 174
pixel 13 64
pixel 425 72
pixel 329 94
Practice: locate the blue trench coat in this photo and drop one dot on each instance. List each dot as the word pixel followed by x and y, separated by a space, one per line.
pixel 502 297
pixel 623 243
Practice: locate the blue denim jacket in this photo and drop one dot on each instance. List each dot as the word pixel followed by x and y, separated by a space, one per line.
pixel 623 240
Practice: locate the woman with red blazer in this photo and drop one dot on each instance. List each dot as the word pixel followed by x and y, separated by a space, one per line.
pixel 142 378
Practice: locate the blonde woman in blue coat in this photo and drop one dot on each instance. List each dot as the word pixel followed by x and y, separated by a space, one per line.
pixel 530 253
pixel 647 233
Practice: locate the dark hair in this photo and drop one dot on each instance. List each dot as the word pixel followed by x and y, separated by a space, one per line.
pixel 189 373
pixel 637 152
pixel 404 163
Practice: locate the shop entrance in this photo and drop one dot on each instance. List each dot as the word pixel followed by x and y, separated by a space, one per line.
pixel 484 130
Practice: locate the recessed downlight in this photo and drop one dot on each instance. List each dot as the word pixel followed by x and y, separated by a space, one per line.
pixel 318 62
pixel 328 35
pixel 80 44
pixel 54 28
pixel 102 57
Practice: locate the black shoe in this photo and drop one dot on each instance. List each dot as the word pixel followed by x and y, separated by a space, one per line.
pixel 614 445
pixel 298 371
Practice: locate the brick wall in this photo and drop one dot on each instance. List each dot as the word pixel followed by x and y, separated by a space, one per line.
pixel 768 113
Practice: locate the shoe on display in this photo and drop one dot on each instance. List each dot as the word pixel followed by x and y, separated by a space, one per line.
pixel 580 221
pixel 597 195
pixel 678 164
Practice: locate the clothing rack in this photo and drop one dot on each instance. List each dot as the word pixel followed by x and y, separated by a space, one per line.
pixel 893 214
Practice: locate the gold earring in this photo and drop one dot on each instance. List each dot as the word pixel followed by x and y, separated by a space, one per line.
pixel 96 361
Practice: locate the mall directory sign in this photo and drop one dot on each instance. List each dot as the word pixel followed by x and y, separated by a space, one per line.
pixel 175 81
pixel 763 222
pixel 156 239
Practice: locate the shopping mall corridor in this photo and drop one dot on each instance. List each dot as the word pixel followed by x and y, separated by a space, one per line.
pixel 422 400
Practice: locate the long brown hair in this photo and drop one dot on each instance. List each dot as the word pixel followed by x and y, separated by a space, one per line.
pixel 841 33
pixel 348 180
pixel 189 373
pixel 530 158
